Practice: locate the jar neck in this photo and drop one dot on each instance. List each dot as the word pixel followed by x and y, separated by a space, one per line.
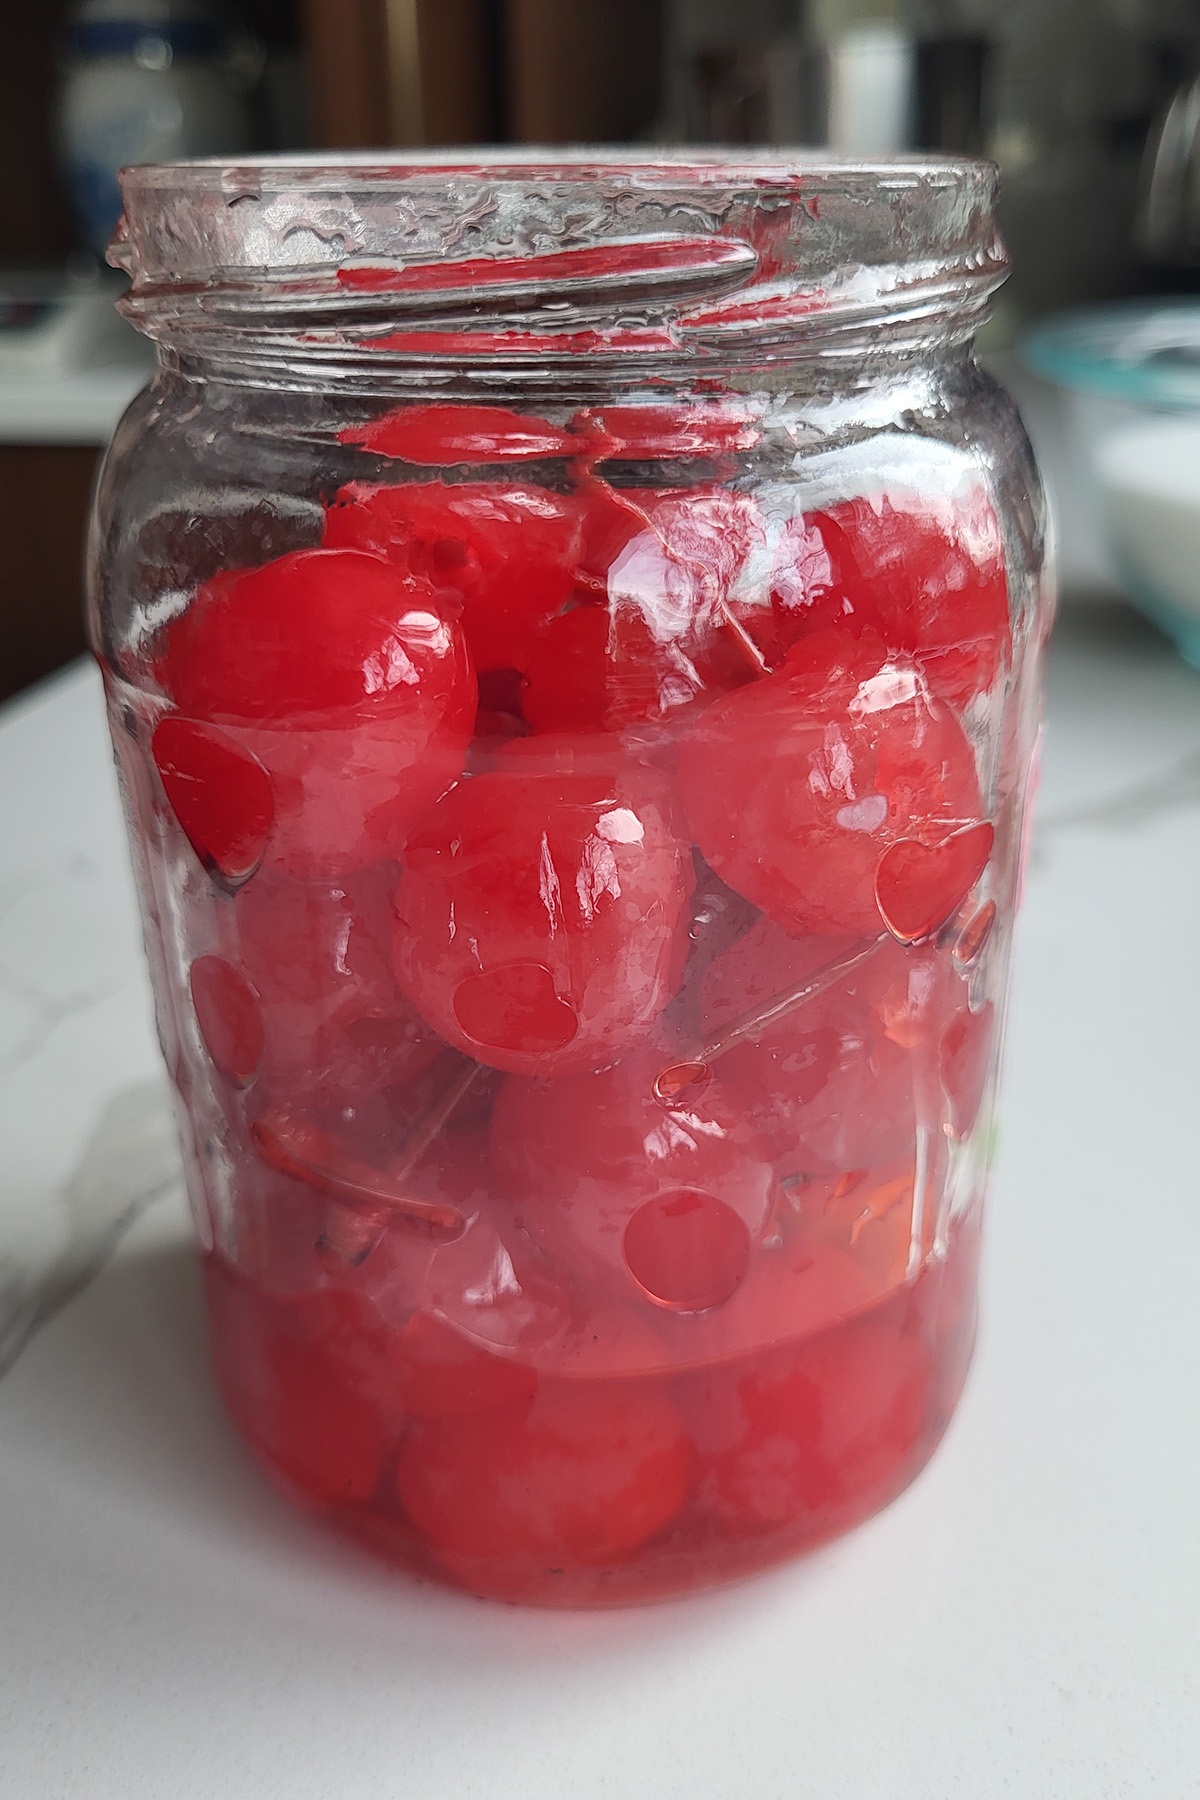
pixel 872 358
pixel 787 410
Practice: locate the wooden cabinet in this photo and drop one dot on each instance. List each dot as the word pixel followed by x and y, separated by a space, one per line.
pixel 402 72
pixel 411 72
pixel 582 71
pixel 45 490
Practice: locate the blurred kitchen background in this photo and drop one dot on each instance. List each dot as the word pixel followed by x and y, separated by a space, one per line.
pixel 1090 107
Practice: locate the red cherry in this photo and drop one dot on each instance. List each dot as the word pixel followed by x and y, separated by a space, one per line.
pixel 718 581
pixel 292 1373
pixel 227 1012
pixel 344 681
pixel 927 575
pixel 809 1427
pixel 715 539
pixel 832 1085
pixel 449 1323
pixel 538 913
pixel 796 785
pixel 668 634
pixel 664 1202
pixel 440 436
pixel 486 1285
pixel 589 1472
pixel 506 551
pixel 786 587
pixel 687 1249
pixel 799 1281
pixel 220 794
pixel 335 1025
pixel 608 518
pixel 872 1386
pixel 840 1083
pixel 314 632
pixel 515 1007
pixel 823 1084
pixel 565 686
pixel 924 573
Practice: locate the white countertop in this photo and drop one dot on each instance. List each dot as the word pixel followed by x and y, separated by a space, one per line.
pixel 1025 1621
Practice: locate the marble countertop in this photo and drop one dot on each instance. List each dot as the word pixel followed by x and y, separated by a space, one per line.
pixel 1024 1621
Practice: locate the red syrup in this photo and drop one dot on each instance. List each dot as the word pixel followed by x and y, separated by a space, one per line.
pixel 521 1480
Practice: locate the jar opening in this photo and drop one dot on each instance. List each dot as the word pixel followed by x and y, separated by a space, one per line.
pixel 494 260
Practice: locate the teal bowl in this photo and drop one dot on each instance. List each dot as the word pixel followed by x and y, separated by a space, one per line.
pixel 1132 374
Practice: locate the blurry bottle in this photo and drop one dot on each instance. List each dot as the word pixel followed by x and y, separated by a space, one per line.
pixel 1073 89
pixel 730 72
pixel 858 77
pixel 1167 232
pixel 953 68
pixel 147 81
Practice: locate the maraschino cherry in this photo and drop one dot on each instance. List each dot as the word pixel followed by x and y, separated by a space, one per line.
pixel 538 912
pixel 307 972
pixel 586 1473
pixel 659 1200
pixel 324 701
pixel 505 550
pixel 797 785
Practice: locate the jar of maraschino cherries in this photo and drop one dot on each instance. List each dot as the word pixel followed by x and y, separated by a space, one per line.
pixel 570 626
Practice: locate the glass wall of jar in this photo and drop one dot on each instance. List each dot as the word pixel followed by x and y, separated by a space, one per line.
pixel 571 632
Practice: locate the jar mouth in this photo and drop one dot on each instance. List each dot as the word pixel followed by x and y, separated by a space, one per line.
pixel 542 256
pixel 706 162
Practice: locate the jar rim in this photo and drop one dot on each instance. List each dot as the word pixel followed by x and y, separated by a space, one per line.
pixel 777 162
pixel 495 256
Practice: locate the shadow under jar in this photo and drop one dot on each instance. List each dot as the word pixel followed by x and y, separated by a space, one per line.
pixel 571 626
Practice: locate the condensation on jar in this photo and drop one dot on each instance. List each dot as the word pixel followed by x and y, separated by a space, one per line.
pixel 571 632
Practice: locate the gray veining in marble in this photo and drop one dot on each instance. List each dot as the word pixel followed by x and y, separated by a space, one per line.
pixel 130 1160
pixel 1176 787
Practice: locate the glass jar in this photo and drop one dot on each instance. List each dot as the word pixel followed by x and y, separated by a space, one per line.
pixel 571 625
